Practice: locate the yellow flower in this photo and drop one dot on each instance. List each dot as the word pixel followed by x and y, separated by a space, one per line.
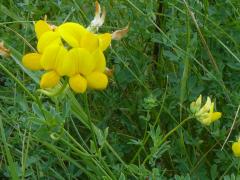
pixel 97 80
pixel 41 27
pixel 85 69
pixel 53 57
pixel 78 61
pixel 78 83
pixel 49 79
pixel 72 33
pixel 91 41
pixel 100 61
pixel 46 37
pixel 69 50
pixel 236 148
pixel 204 114
pixel 77 36
pixel 32 61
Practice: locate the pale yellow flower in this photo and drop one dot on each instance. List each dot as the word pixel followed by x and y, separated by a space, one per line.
pixel 204 114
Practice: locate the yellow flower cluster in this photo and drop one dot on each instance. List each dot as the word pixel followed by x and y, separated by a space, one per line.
pixel 204 114
pixel 236 148
pixel 69 50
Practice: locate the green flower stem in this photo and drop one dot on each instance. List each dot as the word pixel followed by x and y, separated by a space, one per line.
pixel 74 141
pixel 85 152
pixel 145 138
pixel 167 135
pixel 89 120
pixel 78 134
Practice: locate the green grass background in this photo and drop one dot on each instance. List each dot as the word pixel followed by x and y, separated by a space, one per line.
pixel 174 51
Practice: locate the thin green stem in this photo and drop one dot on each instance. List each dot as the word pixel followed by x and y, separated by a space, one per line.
pixel 175 129
pixel 89 119
pixel 167 135
pixel 78 134
pixel 155 123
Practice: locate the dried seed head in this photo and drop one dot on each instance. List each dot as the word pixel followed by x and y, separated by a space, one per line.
pixel 3 50
pixel 119 34
pixel 99 18
pixel 109 72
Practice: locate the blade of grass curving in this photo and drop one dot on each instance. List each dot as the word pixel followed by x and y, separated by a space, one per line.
pixel 186 63
pixel 6 11
pixel 12 165
pixel 213 61
pixel 184 80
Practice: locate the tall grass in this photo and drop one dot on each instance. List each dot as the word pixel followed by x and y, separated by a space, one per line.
pixel 140 127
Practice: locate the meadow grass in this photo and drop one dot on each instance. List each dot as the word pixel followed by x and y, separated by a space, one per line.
pixel 140 127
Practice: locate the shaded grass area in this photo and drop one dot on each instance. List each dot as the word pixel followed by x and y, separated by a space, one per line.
pixel 174 51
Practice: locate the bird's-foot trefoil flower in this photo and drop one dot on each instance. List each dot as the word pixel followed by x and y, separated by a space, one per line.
pixel 73 51
pixel 204 114
pixel 236 148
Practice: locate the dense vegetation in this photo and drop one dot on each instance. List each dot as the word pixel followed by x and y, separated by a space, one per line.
pixel 174 51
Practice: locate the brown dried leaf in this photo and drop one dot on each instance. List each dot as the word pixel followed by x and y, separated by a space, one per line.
pixel 98 9
pixel 3 50
pixel 109 72
pixel 119 34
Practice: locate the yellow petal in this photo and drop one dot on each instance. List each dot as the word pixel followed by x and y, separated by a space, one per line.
pixel 52 57
pixel 198 102
pixel 212 107
pixel 48 38
pixel 206 107
pixel 72 33
pixel 97 80
pixel 215 116
pixel 90 42
pixel 104 41
pixel 61 56
pixel 49 79
pixel 32 61
pixel 206 121
pixel 236 149
pixel 68 66
pixel 41 27
pixel 100 60
pixel 78 83
pixel 79 61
